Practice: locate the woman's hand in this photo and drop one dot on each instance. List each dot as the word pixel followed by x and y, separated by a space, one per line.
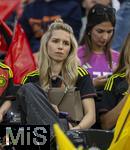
pixel 70 125
pixel 1 116
pixel 55 107
pixel 4 108
pixel 99 81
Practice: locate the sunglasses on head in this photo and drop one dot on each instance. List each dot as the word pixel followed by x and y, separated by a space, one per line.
pixel 103 10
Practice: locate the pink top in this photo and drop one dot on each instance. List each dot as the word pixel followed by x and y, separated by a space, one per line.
pixel 98 65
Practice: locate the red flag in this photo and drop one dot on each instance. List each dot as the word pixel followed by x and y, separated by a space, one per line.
pixel 7 7
pixel 5 36
pixel 3 44
pixel 19 56
pixel 6 28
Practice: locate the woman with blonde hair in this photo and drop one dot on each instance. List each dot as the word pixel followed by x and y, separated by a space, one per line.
pixel 47 59
pixel 58 56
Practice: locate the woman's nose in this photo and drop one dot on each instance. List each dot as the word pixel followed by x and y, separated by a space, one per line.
pixel 105 36
pixel 61 45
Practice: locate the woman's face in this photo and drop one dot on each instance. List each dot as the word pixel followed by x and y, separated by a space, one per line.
pixel 101 34
pixel 59 45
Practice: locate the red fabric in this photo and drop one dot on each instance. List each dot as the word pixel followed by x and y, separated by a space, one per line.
pixel 7 7
pixel 19 56
pixel 6 28
pixel 3 44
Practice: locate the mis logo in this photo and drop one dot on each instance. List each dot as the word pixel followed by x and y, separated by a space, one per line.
pixel 33 135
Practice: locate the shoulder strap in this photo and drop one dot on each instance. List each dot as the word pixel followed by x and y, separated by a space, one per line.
pixel 31 74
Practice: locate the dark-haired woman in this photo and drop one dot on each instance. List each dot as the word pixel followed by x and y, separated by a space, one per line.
pixel 95 52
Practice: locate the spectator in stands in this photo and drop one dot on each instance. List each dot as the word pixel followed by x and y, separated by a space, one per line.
pixel 58 56
pixel 122 27
pixel 116 90
pixel 6 85
pixel 95 53
pixel 40 13
pixel 86 6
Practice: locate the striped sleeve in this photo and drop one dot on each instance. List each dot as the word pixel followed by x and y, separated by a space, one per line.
pixel 110 82
pixel 29 76
pixel 82 72
pixel 84 84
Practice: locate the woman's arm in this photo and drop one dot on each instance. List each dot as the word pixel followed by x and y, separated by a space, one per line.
pixel 90 114
pixel 4 108
pixel 109 119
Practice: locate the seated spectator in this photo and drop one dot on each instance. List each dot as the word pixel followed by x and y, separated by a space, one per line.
pixel 95 53
pixel 6 85
pixel 58 56
pixel 115 90
pixel 86 6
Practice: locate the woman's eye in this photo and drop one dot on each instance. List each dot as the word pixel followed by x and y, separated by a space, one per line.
pixel 100 31
pixel 111 31
pixel 66 43
pixel 55 40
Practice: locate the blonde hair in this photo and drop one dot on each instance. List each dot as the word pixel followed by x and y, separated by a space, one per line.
pixel 70 65
pixel 127 57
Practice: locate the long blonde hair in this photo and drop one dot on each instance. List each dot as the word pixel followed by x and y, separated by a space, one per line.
pixel 127 57
pixel 70 65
